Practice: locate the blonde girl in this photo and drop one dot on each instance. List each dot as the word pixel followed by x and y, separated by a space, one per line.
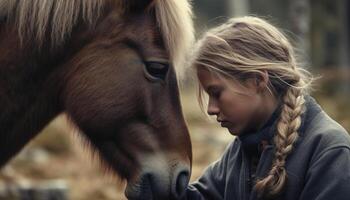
pixel 287 147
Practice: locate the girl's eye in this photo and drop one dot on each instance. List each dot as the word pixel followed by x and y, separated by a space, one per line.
pixel 216 94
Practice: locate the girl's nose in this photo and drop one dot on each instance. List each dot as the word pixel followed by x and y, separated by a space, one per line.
pixel 213 109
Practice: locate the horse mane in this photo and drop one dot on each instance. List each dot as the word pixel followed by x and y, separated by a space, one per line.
pixel 37 18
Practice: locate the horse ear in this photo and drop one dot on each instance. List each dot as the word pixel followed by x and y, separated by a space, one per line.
pixel 139 4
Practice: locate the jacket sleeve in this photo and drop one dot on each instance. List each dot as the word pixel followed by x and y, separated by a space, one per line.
pixel 329 176
pixel 211 184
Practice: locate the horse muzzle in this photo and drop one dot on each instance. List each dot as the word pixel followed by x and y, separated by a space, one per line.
pixel 159 184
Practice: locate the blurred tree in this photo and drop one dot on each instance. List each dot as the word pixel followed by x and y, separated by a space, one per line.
pixel 299 23
pixel 320 27
pixel 210 13
pixel 330 40
pixel 345 47
pixel 238 8
pixel 325 33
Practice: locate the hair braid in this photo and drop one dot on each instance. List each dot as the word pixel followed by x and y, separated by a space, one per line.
pixel 287 135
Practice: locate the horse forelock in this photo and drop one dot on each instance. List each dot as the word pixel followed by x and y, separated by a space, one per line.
pixel 39 18
pixel 175 20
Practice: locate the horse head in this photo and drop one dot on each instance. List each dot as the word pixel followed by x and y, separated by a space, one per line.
pixel 112 65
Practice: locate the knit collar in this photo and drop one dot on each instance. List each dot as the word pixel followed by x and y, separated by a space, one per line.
pixel 265 133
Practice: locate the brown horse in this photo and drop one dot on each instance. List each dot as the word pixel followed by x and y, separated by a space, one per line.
pixel 110 65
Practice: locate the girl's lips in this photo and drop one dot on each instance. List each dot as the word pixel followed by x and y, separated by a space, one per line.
pixel 225 124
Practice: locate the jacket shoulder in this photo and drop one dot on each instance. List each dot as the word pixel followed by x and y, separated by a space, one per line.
pixel 322 133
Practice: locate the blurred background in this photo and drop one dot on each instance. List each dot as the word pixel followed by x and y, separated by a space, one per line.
pixel 320 29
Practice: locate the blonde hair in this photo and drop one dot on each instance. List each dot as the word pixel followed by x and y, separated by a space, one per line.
pixel 249 47
pixel 34 18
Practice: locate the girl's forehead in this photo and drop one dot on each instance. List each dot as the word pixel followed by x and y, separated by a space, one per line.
pixel 209 78
pixel 213 75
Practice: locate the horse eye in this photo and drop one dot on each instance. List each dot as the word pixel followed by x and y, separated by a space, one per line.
pixel 157 70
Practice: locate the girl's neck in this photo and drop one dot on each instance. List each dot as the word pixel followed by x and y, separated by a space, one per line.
pixel 269 105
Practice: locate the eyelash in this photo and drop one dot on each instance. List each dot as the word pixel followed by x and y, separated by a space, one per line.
pixel 216 94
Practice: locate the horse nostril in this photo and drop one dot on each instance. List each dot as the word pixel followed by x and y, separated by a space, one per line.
pixel 181 183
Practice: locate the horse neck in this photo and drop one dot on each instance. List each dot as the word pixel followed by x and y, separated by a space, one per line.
pixel 29 90
pixel 24 109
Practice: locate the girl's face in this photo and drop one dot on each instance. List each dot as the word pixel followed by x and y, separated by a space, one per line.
pixel 238 106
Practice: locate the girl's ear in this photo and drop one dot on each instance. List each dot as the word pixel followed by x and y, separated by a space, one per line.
pixel 258 82
pixel 262 81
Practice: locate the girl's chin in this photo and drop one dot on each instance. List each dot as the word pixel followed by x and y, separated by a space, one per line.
pixel 233 131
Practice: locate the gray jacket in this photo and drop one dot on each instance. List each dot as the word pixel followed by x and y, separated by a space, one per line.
pixel 318 168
